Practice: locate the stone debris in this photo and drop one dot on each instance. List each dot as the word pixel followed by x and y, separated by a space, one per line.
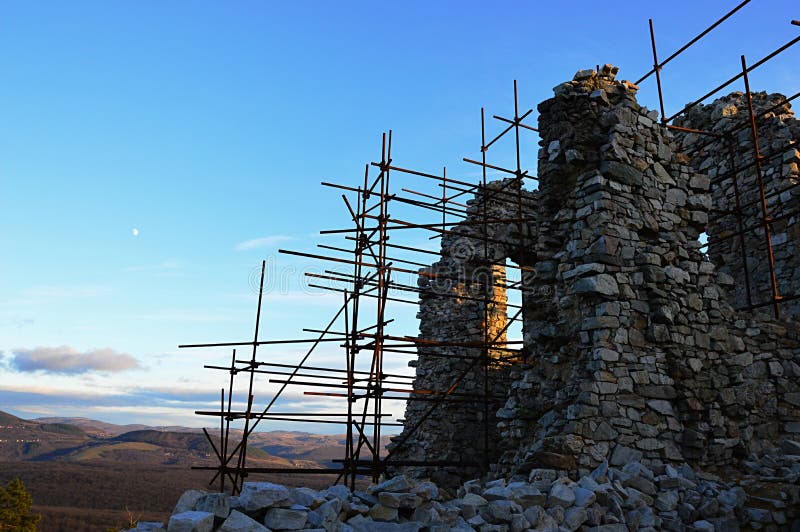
pixel 631 497
pixel 188 501
pixel 215 503
pixel 239 522
pixel 148 526
pixel 191 521
pixel 257 495
pixel 293 518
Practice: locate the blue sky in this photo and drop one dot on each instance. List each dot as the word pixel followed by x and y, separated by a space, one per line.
pixel 207 127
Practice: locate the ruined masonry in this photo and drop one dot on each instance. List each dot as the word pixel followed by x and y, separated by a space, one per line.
pixel 728 245
pixel 632 348
pixel 636 375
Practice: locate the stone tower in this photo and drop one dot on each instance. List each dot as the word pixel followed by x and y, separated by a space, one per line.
pixel 632 348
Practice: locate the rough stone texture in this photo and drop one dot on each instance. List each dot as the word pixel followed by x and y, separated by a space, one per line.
pixel 261 494
pixel 632 348
pixel 634 497
pixel 718 160
pixel 148 526
pixel 239 522
pixel 215 503
pixel 463 301
pixel 188 501
pixel 191 522
pixel 286 518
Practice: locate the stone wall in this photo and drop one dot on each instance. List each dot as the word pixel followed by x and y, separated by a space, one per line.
pixel 463 301
pixel 632 348
pixel 617 256
pixel 737 244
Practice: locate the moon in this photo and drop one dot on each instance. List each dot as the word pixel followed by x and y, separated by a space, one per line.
pixel 135 232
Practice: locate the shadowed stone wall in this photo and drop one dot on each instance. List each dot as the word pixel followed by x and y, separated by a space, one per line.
pixel 719 160
pixel 458 293
pixel 632 347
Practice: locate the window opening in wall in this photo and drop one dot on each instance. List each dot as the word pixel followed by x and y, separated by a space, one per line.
pixel 514 301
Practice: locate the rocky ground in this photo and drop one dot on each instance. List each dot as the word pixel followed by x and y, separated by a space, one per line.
pixel 763 496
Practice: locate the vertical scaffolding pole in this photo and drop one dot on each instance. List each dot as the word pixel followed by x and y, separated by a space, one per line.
pixel 739 218
pixel 657 70
pixel 486 302
pixel 766 219
pixel 241 472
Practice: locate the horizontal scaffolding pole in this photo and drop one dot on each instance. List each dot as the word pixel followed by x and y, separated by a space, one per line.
pixel 261 342
pixel 332 370
pixel 456 212
pixel 520 174
pixel 275 470
pixel 242 414
pixel 520 124
pixel 434 226
pixel 515 122
pixel 376 389
pixel 779 299
pixel 293 374
pixel 356 397
pixel 424 292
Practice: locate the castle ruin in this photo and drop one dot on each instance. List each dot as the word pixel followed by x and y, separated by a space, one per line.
pixel 637 345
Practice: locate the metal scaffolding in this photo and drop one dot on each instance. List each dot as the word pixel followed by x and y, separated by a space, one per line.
pixel 368 265
pixel 364 336
pixel 734 175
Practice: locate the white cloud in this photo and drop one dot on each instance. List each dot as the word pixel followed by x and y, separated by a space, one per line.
pixel 68 360
pixel 17 321
pixel 262 242
pixel 62 393
pixel 38 410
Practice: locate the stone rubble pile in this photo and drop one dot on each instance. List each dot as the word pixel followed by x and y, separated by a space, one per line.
pixel 630 497
pixel 772 482
pixel 781 465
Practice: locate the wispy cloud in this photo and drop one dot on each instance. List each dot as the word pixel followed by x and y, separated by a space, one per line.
pixel 37 394
pixel 67 360
pixel 159 405
pixel 65 291
pixel 15 320
pixel 261 242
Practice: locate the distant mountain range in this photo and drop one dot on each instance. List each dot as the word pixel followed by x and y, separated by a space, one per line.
pixel 82 440
pixel 103 429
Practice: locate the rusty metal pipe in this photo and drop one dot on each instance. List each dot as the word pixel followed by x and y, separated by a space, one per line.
pixel 694 40
pixel 734 78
